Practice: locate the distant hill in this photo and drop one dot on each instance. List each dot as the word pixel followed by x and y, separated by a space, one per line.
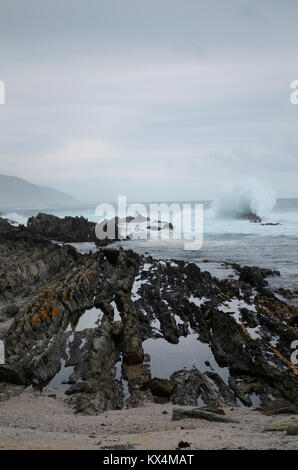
pixel 16 192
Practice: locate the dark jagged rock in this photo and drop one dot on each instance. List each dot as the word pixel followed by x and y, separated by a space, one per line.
pixel 72 229
pixel 239 331
pixel 67 229
pixel 264 272
pixel 190 386
pixel 251 217
pixel 11 233
pixel 79 229
pixel 252 276
pixel 160 387
pixel 26 264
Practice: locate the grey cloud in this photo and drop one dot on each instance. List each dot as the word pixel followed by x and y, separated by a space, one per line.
pixel 185 93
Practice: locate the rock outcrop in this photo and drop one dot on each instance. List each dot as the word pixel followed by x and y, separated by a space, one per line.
pixel 233 336
pixel 67 229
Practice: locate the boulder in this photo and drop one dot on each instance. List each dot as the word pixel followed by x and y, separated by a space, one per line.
pixel 161 387
pixel 197 413
pixel 282 424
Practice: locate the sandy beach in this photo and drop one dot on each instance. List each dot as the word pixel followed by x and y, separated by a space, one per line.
pixel 31 421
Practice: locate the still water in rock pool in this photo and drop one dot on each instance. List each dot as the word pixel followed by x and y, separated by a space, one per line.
pixel 89 319
pixel 167 358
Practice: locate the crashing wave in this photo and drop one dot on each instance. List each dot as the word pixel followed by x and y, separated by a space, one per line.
pixel 249 199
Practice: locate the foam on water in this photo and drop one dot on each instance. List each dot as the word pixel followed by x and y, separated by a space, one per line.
pixel 248 196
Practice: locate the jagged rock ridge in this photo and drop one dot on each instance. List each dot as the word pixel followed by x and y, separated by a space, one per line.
pixel 238 332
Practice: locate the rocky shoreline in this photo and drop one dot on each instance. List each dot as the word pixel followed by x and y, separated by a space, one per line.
pixel 238 334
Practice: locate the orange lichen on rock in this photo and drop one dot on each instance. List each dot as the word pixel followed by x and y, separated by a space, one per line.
pixel 55 311
pixel 43 313
pixel 36 319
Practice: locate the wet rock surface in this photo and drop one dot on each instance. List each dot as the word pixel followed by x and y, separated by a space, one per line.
pixel 163 330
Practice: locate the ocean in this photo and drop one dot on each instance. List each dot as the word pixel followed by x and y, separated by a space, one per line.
pixel 226 238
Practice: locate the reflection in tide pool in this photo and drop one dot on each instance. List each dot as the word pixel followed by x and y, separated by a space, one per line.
pixel 122 381
pixel 59 384
pixel 167 358
pixel 89 319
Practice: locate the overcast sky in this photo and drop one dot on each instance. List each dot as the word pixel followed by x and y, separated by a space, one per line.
pixel 153 99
